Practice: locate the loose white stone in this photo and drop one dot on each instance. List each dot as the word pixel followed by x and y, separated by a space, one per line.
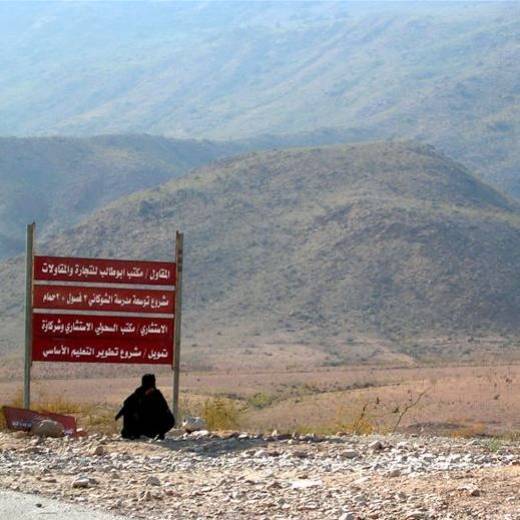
pixel 306 483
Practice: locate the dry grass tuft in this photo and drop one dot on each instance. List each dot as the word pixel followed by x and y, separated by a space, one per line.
pixel 221 414
pixel 470 431
pixel 91 417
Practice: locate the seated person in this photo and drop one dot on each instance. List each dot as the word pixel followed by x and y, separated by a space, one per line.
pixel 145 412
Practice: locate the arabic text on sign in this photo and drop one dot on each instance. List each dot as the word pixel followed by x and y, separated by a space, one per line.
pixel 103 270
pixel 70 325
pixel 97 351
pixel 100 299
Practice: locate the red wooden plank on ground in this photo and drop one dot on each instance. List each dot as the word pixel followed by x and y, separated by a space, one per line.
pixel 68 297
pixel 96 270
pixel 21 419
pixel 109 327
pixel 88 350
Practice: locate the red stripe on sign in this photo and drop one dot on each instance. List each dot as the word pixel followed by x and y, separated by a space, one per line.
pixel 103 299
pixel 109 327
pixel 75 350
pixel 96 270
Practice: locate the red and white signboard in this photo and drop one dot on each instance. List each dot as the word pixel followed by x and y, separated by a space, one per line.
pixel 81 315
pixel 98 310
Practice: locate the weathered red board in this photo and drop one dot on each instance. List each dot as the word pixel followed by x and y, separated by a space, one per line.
pixel 87 350
pixel 95 326
pixel 94 270
pixel 119 327
pixel 66 297
pixel 20 419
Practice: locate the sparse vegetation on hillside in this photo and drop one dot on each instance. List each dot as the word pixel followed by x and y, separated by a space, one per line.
pixel 57 181
pixel 319 246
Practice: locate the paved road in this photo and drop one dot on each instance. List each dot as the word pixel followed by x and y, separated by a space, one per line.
pixel 17 506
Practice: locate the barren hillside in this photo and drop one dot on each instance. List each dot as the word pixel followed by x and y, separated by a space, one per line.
pixel 58 180
pixel 319 247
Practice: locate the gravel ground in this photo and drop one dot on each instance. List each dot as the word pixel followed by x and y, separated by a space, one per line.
pixel 29 507
pixel 239 476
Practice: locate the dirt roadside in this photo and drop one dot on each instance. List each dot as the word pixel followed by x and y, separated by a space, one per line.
pixel 242 476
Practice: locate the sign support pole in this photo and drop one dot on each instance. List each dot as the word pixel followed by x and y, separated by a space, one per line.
pixel 29 257
pixel 179 239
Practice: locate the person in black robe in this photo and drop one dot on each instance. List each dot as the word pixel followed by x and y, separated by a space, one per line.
pixel 146 412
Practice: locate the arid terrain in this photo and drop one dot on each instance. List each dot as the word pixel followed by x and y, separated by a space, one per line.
pixel 333 192
pixel 240 476
pixel 457 401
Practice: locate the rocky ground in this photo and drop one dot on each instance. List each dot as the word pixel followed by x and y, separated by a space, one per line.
pixel 239 476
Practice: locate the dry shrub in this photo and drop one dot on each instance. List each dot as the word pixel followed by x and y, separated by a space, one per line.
pixel 469 431
pixel 512 436
pixel 261 400
pixel 98 418
pixel 57 404
pixel 221 414
pixel 91 417
pixel 190 405
pixel 359 422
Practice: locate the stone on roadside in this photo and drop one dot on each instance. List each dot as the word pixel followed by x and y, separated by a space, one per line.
pixel 193 424
pixel 153 481
pixel 472 491
pixel 350 454
pixel 200 434
pixel 305 483
pixel 99 450
pixel 81 483
pixel 47 428
pixel 376 446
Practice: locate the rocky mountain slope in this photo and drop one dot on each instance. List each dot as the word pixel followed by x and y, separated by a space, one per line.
pixel 58 180
pixel 319 246
pixel 442 72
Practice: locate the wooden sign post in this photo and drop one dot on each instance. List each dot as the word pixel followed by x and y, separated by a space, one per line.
pixel 92 310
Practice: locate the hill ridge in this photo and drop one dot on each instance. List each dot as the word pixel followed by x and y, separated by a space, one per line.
pixel 281 249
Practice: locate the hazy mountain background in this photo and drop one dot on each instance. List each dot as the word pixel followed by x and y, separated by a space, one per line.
pixel 326 249
pixel 444 73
